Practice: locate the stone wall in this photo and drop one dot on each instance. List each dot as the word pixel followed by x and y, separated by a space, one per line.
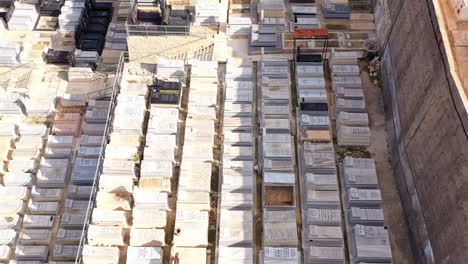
pixel 427 129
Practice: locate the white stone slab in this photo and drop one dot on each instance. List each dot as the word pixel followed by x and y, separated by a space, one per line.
pixel 144 255
pixel 147 237
pixel 105 235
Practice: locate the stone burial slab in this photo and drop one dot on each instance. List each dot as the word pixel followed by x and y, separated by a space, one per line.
pixel 272 164
pixel 106 235
pixel 284 255
pixel 12 207
pixel 38 253
pixel 234 182
pixel 11 221
pixel 110 218
pixel 144 255
pixel 39 221
pixel 60 141
pixel 278 109
pixel 314 120
pixel 151 168
pixel 279 228
pixel 83 175
pixel 353 119
pixel 349 93
pixel 14 193
pixel 71 205
pixel 276 138
pixel 18 179
pixel 93 129
pixel 52 177
pixel 65 252
pixel 191 235
pixel 58 153
pixel 237 109
pixel 319 160
pixel 77 192
pixel 147 237
pixel 5 253
pixel 66 128
pixel 322 198
pixel 194 181
pixel 237 151
pixel 193 200
pixel 151 199
pixel 189 255
pixel 89 152
pixel 91 141
pixel 99 255
pixel 114 201
pixel 276 123
pixel 353 136
pixel 233 255
pixel 149 218
pixel 113 166
pixel 8 237
pixel 345 70
pixel 43 208
pixel 360 177
pixel 69 237
pixel 35 237
pixel 116 183
pixel 46 195
pixel 350 162
pixel 309 70
pixel 321 181
pixel 323 216
pixel 22 165
pixel 312 96
pixel 237 200
pixel 324 254
pixel 323 235
pixel 350 105
pixel 47 163
pixel 238 236
pixel 370 243
pixel 363 197
pixel 362 215
pixel 73 220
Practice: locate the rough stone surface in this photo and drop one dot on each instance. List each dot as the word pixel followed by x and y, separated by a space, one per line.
pixel 427 134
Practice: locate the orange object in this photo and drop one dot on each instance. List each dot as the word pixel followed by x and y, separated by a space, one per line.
pixel 310 33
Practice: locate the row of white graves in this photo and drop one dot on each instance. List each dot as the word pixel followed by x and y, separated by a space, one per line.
pixel 117 194
pixel 277 155
pixel 352 120
pixel 193 200
pixel 322 234
pixel 20 211
pixel 368 239
pixel 71 14
pixel 237 174
pixel 60 159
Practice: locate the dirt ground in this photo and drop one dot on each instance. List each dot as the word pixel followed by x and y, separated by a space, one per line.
pixel 394 218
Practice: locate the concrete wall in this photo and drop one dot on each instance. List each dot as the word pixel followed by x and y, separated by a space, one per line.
pixel 427 133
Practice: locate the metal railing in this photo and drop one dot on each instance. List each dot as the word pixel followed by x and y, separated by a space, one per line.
pixel 92 197
pixel 124 58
